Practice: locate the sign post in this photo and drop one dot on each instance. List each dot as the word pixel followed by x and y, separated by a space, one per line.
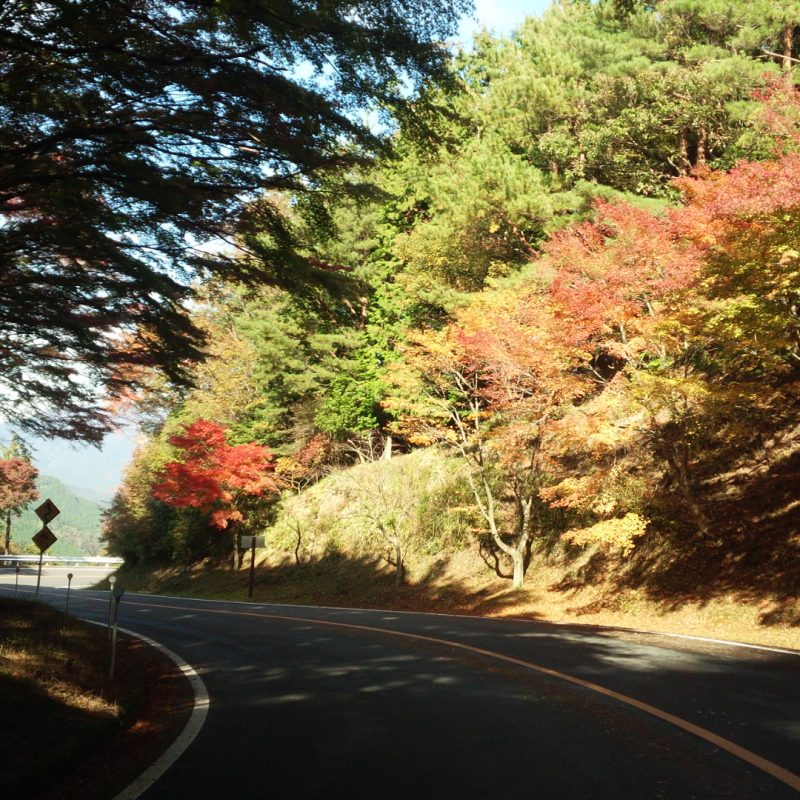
pixel 251 542
pixel 16 580
pixel 46 512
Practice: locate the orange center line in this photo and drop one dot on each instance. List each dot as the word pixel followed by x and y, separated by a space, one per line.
pixel 742 753
pixel 769 767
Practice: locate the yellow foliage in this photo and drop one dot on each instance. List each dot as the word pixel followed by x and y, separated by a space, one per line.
pixel 617 534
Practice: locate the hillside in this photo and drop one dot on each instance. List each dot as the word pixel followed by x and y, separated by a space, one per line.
pixel 571 317
pixel 77 527
pixel 326 547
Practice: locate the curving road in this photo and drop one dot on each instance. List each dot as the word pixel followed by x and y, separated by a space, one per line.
pixel 328 703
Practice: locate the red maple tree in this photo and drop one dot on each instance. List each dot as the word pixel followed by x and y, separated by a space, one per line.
pixel 213 475
pixel 17 489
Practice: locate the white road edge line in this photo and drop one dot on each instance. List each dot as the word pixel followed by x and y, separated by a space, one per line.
pixel 776 771
pixel 759 762
pixel 586 625
pixel 198 716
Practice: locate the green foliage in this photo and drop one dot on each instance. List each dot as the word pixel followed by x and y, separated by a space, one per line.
pixel 352 404
pixel 136 526
pixel 550 262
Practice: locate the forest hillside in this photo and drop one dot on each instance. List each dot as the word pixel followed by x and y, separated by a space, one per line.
pixel 78 526
pixel 545 361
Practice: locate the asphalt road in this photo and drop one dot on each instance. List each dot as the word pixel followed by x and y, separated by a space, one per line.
pixel 328 703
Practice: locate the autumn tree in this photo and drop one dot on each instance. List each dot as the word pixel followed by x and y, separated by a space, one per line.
pixel 214 476
pixel 690 323
pixel 17 484
pixel 384 504
pixel 488 385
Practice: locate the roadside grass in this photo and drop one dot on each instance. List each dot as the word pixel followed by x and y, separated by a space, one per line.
pixel 61 713
pixel 461 583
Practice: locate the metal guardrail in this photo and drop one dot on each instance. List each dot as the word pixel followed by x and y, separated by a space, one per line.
pixel 95 561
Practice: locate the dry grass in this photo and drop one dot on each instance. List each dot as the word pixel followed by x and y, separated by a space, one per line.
pixel 62 716
pixel 555 591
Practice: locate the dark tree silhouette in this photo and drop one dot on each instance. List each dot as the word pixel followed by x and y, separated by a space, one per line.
pixel 133 131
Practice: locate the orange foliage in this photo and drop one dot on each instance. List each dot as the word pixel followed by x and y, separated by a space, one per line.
pixel 611 271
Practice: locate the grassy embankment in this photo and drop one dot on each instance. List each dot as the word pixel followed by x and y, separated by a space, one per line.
pixel 460 583
pixel 742 584
pixel 68 731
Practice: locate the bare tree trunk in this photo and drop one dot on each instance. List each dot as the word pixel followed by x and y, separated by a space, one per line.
pixel 298 542
pixel 679 465
pixel 702 145
pixel 238 553
pixel 7 550
pixel 518 560
pixel 399 567
pixel 515 552
pixel 788 41
pixel 684 164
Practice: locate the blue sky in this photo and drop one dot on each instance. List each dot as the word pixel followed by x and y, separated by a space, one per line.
pixel 501 16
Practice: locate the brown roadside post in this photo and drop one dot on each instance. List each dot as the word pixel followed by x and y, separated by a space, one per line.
pixel 251 542
pixel 117 593
pixel 70 576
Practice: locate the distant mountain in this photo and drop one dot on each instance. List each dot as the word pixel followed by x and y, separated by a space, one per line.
pixel 77 526
pixel 101 498
pixel 94 471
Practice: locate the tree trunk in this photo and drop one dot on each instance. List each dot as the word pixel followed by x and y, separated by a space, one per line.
pixel 237 554
pixel 399 567
pixel 680 470
pixel 7 550
pixel 515 553
pixel 702 143
pixel 788 41
pixel 518 560
pixel 684 164
pixel 387 449
pixel 299 534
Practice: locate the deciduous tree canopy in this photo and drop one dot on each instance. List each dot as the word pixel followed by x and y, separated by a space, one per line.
pixel 17 484
pixel 213 474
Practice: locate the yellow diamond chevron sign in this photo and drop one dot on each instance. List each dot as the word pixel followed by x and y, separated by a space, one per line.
pixel 47 511
pixel 44 539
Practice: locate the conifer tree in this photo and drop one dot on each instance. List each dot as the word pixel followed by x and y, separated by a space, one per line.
pixel 132 133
